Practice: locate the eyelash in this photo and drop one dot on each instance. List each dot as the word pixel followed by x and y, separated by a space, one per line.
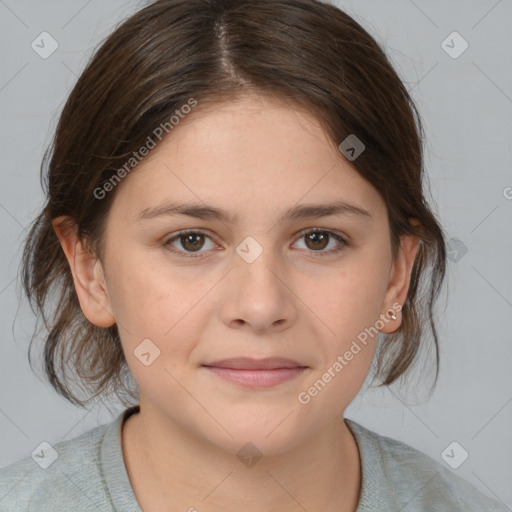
pixel 343 243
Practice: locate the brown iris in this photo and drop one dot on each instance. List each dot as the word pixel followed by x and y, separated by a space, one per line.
pixel 316 237
pixel 192 241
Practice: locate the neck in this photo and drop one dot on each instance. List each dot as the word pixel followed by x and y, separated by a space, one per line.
pixel 170 469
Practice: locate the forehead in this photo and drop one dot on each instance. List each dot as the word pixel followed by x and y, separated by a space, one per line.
pixel 254 152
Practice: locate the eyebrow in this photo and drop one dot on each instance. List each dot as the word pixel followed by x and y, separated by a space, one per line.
pixel 299 212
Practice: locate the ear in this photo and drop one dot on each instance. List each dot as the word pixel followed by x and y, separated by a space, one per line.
pixel 400 278
pixel 88 275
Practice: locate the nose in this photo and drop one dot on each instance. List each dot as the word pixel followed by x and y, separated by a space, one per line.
pixel 259 295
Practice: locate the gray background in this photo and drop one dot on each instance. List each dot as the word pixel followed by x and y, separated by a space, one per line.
pixel 466 105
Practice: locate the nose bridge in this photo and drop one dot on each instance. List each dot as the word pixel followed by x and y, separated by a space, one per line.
pixel 256 262
pixel 253 248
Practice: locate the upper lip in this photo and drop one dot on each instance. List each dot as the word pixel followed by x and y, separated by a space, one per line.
pixel 247 363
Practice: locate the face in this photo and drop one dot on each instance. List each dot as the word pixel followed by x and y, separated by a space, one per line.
pixel 254 281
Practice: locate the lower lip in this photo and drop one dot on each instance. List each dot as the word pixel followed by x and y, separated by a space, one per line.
pixel 257 378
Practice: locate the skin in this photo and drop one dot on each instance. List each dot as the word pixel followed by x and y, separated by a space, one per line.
pixel 255 157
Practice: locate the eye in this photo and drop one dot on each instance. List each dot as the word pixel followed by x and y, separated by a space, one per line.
pixel 318 239
pixel 192 241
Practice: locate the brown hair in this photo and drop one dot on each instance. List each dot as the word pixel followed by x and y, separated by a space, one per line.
pixel 304 51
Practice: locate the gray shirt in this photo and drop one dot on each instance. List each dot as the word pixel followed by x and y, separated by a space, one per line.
pixel 89 474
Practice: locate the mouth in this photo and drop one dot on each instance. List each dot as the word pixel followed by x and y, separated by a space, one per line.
pixel 247 363
pixel 263 373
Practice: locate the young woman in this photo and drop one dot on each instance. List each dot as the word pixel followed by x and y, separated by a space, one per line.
pixel 235 211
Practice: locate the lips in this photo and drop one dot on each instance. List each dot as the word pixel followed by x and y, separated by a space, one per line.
pixel 256 373
pixel 246 363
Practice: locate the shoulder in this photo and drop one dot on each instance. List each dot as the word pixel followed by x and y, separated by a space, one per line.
pixel 414 480
pixel 53 478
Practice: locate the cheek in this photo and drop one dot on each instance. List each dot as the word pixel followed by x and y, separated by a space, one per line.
pixel 151 303
pixel 142 293
pixel 154 329
pixel 349 304
pixel 349 299
pixel 348 344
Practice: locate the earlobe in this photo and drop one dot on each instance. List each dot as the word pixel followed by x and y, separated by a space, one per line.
pixel 88 275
